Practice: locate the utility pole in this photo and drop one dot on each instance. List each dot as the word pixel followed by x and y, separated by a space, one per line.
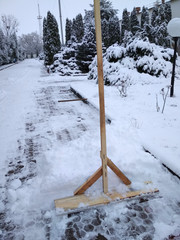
pixel 60 17
pixel 39 17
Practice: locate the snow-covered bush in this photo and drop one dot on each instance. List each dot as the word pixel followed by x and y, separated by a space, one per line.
pixel 139 54
pixel 65 62
pixel 115 53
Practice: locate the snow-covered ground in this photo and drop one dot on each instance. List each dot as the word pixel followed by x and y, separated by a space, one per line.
pixel 48 149
pixel 157 132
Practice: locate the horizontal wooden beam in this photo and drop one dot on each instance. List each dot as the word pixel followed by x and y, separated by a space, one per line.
pixel 79 202
pixel 73 100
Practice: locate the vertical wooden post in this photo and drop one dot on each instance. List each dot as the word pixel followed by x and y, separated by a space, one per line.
pixel 101 93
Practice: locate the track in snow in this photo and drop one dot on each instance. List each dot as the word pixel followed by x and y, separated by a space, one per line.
pixel 126 220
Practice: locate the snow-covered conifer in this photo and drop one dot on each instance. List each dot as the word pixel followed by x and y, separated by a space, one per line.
pixel 125 25
pixel 161 15
pixel 134 23
pixel 86 50
pixel 159 19
pixel 52 39
pixel 167 12
pixel 45 41
pixel 79 28
pixel 144 17
pixel 145 25
pixel 74 27
pixel 13 48
pixel 108 17
pixel 68 29
pixel 154 16
pixel 2 45
pixel 110 23
pixel 114 30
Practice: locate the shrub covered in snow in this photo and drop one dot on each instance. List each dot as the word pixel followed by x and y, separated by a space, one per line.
pixel 65 62
pixel 139 54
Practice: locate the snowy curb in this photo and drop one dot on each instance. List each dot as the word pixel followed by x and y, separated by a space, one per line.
pixel 80 95
pixel 9 65
pixel 148 150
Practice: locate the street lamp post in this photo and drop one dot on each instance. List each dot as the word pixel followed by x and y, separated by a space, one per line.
pixel 173 28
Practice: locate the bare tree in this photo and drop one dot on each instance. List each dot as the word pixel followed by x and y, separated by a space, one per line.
pixel 9 48
pixel 31 43
pixel 9 25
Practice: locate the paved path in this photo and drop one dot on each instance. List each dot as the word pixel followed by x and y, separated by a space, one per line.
pixel 132 219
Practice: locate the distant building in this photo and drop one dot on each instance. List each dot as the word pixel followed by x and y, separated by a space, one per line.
pixel 175 7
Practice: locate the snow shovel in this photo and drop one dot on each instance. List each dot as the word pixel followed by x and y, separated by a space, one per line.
pixel 80 201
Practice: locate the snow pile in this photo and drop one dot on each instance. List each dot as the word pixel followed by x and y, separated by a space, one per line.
pixel 65 62
pixel 139 54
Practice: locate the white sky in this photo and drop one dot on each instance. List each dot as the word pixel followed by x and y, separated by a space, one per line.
pixel 26 11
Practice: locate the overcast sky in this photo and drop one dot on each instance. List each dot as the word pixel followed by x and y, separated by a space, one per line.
pixel 26 11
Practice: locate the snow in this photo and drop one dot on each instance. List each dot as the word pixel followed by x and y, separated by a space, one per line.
pixel 139 54
pixel 2 95
pixel 138 112
pixel 15 184
pixel 65 160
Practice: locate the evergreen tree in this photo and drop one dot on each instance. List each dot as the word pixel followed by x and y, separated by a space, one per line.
pixel 74 28
pixel 2 44
pixel 86 50
pixel 144 17
pixel 160 18
pixel 125 25
pixel 114 30
pixel 162 35
pixel 89 26
pixel 52 39
pixel 110 31
pixel 167 12
pixel 108 17
pixel 68 30
pixel 110 23
pixel 79 28
pixel 105 31
pixel 107 10
pixel 145 25
pixel 154 16
pixel 161 15
pixel 134 23
pixel 13 53
pixel 45 41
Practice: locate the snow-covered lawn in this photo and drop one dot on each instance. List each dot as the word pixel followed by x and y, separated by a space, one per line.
pixel 48 149
pixel 156 132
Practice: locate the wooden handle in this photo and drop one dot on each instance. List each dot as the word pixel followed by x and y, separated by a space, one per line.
pixel 101 92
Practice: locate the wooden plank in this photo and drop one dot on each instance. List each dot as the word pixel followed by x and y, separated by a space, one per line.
pixel 117 171
pixel 91 180
pixel 83 201
pixel 72 100
pixel 79 201
pixel 101 93
pixel 116 196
